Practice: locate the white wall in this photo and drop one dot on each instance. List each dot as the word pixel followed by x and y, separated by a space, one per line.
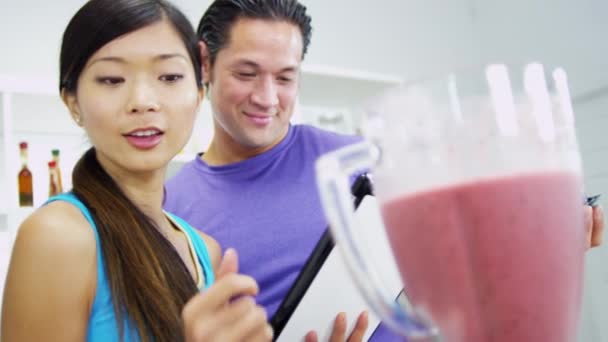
pixel 410 39
pixel 30 32
pixel 558 32
pixel 592 125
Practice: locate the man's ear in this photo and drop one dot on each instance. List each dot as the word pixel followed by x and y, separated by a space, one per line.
pixel 205 62
pixel 71 102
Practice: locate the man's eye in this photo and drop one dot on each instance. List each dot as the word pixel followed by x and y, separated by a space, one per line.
pixel 247 74
pixel 171 78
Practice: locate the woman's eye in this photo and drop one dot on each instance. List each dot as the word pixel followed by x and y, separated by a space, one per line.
pixel 112 81
pixel 171 78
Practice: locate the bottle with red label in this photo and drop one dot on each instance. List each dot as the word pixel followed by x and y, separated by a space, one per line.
pixel 55 154
pixel 54 187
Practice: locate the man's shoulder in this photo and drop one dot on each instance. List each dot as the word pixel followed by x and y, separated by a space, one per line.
pixel 326 140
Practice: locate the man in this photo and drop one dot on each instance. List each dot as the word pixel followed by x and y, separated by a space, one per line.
pixel 254 188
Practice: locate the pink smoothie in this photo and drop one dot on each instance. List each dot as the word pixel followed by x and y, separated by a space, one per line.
pixel 495 261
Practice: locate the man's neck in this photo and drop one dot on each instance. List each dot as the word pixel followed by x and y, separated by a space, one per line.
pixel 227 151
pixel 219 154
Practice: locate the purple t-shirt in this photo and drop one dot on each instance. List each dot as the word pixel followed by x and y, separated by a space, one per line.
pixel 266 207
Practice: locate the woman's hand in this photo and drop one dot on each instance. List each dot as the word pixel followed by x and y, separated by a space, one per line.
pixel 227 310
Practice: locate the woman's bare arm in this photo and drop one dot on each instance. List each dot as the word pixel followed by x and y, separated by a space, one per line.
pixel 51 281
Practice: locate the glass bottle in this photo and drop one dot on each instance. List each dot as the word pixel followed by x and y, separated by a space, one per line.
pixel 55 154
pixel 53 182
pixel 26 193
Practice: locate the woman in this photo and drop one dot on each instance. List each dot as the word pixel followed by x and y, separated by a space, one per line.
pixel 105 262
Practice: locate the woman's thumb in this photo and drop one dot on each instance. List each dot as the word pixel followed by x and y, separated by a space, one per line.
pixel 229 263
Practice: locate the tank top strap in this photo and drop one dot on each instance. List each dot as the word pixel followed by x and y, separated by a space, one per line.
pixel 202 253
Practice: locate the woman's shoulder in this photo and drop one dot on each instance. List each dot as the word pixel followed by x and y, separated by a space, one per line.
pixel 213 247
pixel 59 227
pixel 53 257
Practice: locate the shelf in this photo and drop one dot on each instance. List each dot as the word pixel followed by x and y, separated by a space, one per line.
pixel 327 86
pixel 349 74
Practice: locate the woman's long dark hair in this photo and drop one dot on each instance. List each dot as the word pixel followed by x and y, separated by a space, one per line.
pixel 148 280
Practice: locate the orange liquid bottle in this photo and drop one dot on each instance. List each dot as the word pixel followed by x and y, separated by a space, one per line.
pixel 26 193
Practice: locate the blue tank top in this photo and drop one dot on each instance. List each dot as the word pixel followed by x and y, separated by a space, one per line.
pixel 102 321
